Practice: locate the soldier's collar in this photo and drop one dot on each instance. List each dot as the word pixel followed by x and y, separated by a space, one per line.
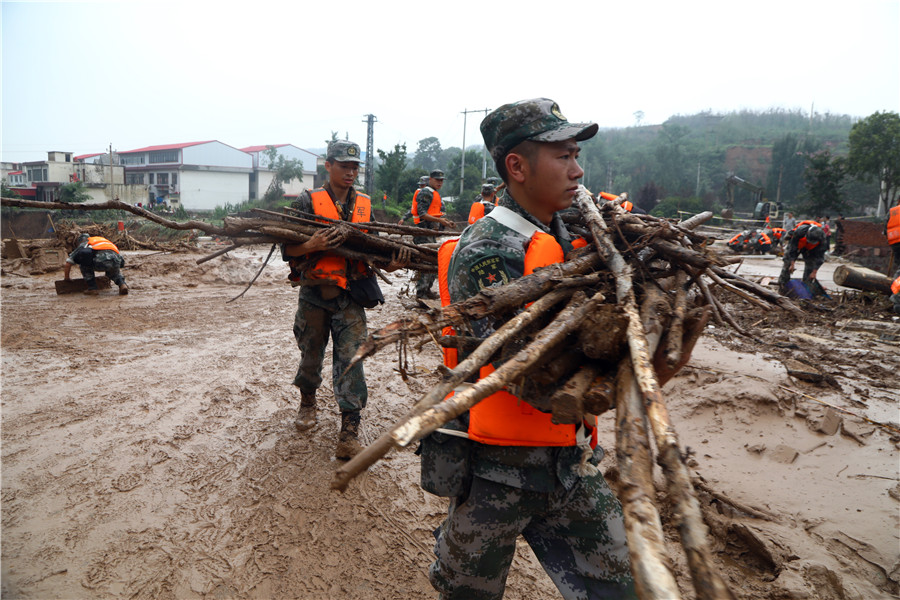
pixel 509 202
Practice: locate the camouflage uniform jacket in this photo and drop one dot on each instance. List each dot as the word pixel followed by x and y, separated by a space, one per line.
pixel 489 254
pixel 310 293
pixel 813 257
pixel 99 260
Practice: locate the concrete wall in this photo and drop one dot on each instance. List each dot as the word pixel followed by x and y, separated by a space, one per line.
pixel 205 190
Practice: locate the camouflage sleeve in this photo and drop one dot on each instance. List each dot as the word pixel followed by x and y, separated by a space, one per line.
pixel 485 263
pixel 303 202
pixel 815 256
pixel 792 250
pixel 424 201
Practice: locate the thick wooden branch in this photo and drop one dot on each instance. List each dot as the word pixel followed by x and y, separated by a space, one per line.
pixel 116 205
pixel 567 321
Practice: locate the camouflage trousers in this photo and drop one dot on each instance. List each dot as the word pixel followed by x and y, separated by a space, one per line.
pixel 424 280
pixel 313 325
pixel 107 261
pixel 578 535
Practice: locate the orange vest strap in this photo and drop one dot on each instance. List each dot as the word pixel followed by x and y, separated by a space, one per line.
pixel 895 287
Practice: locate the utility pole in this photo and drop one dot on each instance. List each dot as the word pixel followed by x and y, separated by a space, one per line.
pixel 462 163
pixel 697 193
pixel 370 154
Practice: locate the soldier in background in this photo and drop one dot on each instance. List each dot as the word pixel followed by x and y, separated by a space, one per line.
pixel 95 253
pixel 325 307
pixel 423 181
pixel 428 212
pixel 484 203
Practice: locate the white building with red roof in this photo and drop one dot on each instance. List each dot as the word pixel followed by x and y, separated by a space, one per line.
pixel 195 175
pixel 263 174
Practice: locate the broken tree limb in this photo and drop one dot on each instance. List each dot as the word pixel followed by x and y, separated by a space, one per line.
pixel 676 327
pixel 737 291
pixel 650 563
pixel 555 333
pixel 117 205
pixel 707 582
pixel 468 367
pixel 759 290
pixel 490 301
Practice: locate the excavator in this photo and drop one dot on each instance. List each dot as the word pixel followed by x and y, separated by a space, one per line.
pixel 762 207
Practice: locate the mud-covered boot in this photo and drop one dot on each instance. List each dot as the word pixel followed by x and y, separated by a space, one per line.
pixel 123 289
pixel 348 439
pixel 306 416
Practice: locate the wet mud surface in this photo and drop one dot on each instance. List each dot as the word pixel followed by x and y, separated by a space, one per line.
pixel 148 449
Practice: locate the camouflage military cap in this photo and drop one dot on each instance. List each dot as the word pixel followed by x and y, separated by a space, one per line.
pixel 487 188
pixel 538 120
pixel 343 151
pixel 494 181
pixel 437 174
pixel 423 180
pixel 815 234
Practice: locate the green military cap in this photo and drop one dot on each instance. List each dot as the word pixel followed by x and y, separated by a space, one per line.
pixel 343 151
pixel 437 174
pixel 487 188
pixel 538 120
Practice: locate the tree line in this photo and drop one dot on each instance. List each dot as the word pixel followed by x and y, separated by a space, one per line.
pixel 815 165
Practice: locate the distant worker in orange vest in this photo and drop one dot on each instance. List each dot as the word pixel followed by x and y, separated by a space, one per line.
pixel 428 212
pixel 326 307
pixel 892 231
pixel 808 239
pixel 484 203
pixel 95 253
pixel 423 181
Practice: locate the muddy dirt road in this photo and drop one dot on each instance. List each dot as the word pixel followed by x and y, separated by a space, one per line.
pixel 148 450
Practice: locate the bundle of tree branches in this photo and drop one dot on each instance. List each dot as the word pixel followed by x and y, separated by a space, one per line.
pixel 360 240
pixel 578 338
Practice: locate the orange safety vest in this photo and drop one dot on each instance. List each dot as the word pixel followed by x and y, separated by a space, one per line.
pixel 434 210
pixel 627 205
pixel 101 243
pixel 330 267
pixel 502 419
pixel 476 212
pixel 893 226
pixel 895 287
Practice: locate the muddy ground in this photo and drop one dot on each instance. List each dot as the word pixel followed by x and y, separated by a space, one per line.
pixel 148 449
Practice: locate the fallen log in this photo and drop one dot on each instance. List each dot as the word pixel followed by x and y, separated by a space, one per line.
pixel 859 278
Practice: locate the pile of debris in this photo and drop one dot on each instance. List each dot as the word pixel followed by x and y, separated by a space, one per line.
pixel 600 330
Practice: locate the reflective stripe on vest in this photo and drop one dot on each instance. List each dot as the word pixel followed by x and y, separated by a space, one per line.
pixel 434 210
pixel 101 243
pixel 502 419
pixel 476 212
pixel 627 205
pixel 331 267
pixel 893 226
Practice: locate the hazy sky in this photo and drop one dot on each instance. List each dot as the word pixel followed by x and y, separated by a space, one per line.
pixel 79 76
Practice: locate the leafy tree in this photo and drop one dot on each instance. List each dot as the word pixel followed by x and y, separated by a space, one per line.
pixel 286 170
pixel 471 178
pixel 875 153
pixel 73 192
pixel 428 154
pixel 824 177
pixel 6 191
pixel 389 172
pixel 673 164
